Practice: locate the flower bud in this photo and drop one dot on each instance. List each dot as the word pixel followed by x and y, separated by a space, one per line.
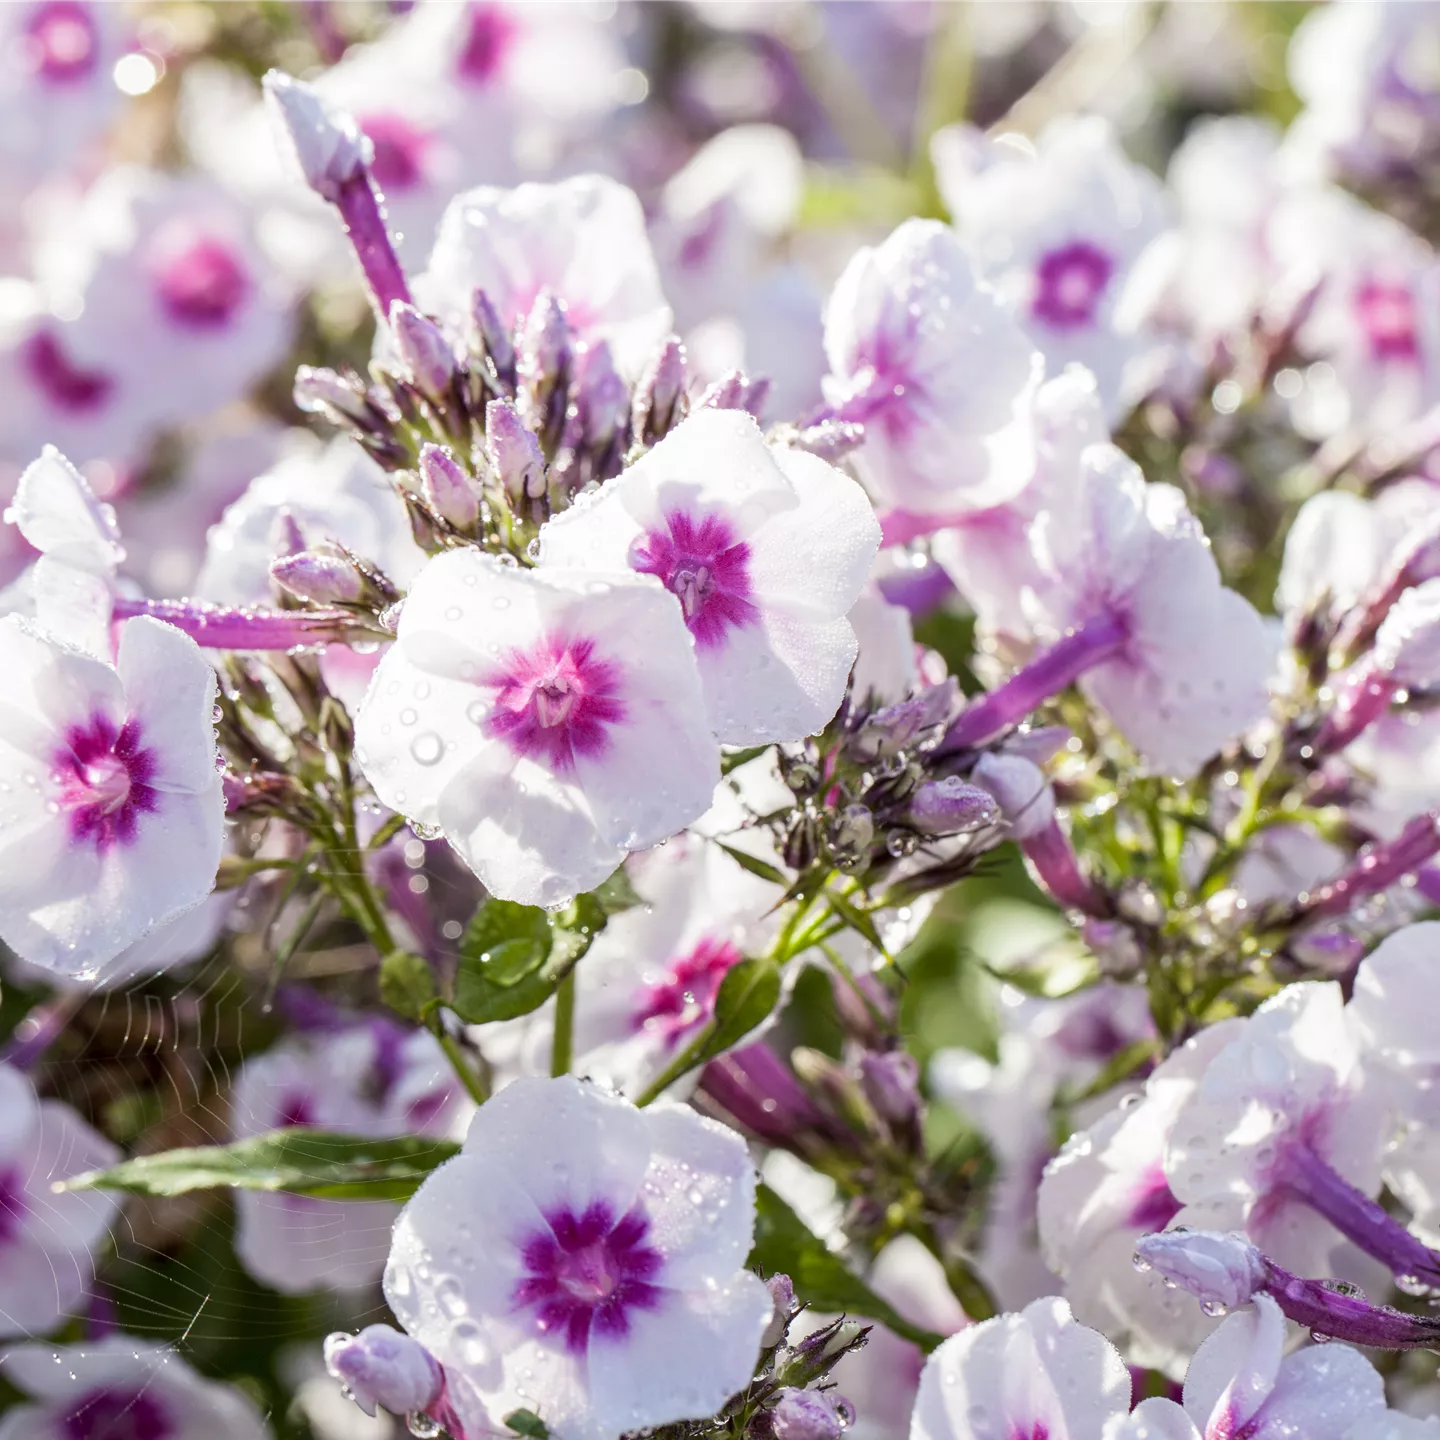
pixel 952 805
pixel 601 395
pixel 514 452
pixel 448 489
pixel 380 1366
pixel 891 1080
pixel 1330 949
pixel 490 337
pixel 286 536
pixel 1020 789
pixel 330 147
pixel 1221 1271
pixel 735 391
pixel 1407 645
pixel 544 347
pixel 425 353
pixel 852 831
pixel 658 395
pixel 319 391
pixel 806 1415
pixel 321 576
pixel 782 1297
pixel 814 1357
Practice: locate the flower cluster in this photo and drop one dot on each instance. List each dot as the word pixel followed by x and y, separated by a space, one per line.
pixel 752 757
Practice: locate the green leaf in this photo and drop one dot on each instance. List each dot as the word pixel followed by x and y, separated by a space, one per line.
pixel 734 759
pixel 748 994
pixel 762 868
pixel 502 971
pixel 617 894
pixel 527 1422
pixel 406 984
pixel 857 920
pixel 300 1161
pixel 783 1244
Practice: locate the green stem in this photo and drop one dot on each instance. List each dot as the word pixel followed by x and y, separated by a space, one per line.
pixel 461 1066
pixel 562 1044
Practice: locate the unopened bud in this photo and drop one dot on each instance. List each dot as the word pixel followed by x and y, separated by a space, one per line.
pixel 735 391
pixel 952 806
pixel 330 147
pixel 380 1366
pixel 891 1080
pixel 1330 949
pixel 544 349
pixel 601 395
pixel 514 452
pixel 1222 1271
pixel 1020 789
pixel 448 489
pixel 319 391
pixel 321 576
pixel 782 1297
pixel 852 831
pixel 808 1415
pixel 490 336
pixel 814 1357
pixel 658 395
pixel 286 536
pixel 425 353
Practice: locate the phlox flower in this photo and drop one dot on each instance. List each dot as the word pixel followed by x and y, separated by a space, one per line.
pixel 1025 1376
pixel 1057 228
pixel 923 354
pixel 583 240
pixel 765 550
pixel 545 721
pixel 1105 1189
pixel 370 1079
pixel 110 804
pixel 178 313
pixel 1241 1383
pixel 585 1260
pixel 1178 662
pixel 47 1238
pixel 121 1386
pixel 1373 317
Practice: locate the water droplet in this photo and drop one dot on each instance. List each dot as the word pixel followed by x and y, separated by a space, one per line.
pixel 1141 1263
pixel 427 748
pixel 418 1423
pixel 1214 1308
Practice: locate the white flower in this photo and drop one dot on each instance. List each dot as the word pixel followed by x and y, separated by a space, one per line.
pixel 121 1386
pixel 924 356
pixel 585 1260
pixel 1192 672
pixel 1057 229
pixel 1242 1383
pixel 582 239
pixel 330 492
pixel 1107 1188
pixel 111 816
pixel 1037 1373
pixel 545 721
pixel 368 1079
pixel 47 1238
pixel 764 548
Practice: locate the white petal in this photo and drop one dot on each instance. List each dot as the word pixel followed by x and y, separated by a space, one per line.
pixel 170 691
pixel 1235 1370
pixel 57 512
pixel 295 1244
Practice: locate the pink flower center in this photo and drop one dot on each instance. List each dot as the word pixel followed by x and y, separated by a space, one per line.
pixel 200 279
pixel 60 42
pixel 1386 311
pixel 120 1414
pixel 492 31
pixel 556 701
pixel 585 1274
pixel 65 385
pixel 1153 1205
pixel 399 163
pixel 102 777
pixel 685 996
pixel 1069 282
pixel 702 564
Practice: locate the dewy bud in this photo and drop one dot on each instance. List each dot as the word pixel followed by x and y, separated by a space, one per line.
pixel 952 805
pixel 331 148
pixel 601 395
pixel 318 390
pixel 1221 1271
pixel 544 342
pixel 657 396
pixel 448 489
pixel 782 1297
pixel 514 452
pixel 320 576
pixel 1020 789
pixel 807 1415
pixel 491 336
pixel 426 354
pixel 814 1357
pixel 380 1366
